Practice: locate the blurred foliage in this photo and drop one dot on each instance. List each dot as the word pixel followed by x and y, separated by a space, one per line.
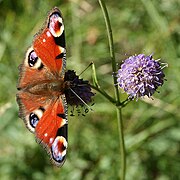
pixel 151 126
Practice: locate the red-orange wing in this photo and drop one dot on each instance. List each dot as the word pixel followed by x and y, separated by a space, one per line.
pixel 45 112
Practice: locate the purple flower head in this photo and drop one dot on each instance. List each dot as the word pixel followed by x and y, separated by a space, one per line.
pixel 140 75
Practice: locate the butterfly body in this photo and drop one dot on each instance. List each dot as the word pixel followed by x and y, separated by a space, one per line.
pixel 41 86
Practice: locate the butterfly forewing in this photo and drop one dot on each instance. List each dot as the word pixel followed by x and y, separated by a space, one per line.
pixel 42 103
pixel 52 41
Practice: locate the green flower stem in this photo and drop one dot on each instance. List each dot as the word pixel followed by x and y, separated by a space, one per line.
pixel 111 45
pixel 102 92
pixel 123 103
pixel 122 144
pixel 96 86
pixel 119 114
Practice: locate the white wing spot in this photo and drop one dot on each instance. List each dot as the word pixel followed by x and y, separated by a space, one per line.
pixel 51 140
pixel 44 40
pixel 62 50
pixel 48 34
pixel 45 134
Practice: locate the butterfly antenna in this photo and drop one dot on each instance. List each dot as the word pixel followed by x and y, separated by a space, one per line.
pixel 81 99
pixel 86 68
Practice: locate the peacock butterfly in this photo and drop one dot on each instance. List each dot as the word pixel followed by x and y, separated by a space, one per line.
pixel 45 88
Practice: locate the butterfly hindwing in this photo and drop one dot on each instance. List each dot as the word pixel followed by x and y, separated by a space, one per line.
pixel 51 131
pixel 42 104
pixel 31 106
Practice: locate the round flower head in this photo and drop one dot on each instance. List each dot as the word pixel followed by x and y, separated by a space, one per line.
pixel 140 75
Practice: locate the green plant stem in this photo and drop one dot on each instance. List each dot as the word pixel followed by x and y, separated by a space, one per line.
pixel 119 114
pixel 122 144
pixel 97 87
pixel 104 94
pixel 111 46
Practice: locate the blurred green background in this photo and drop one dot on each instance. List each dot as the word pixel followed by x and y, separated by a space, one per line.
pixel 151 127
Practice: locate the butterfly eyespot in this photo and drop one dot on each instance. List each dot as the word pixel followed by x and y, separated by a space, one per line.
pixel 34 61
pixel 55 24
pixel 58 149
pixel 33 119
